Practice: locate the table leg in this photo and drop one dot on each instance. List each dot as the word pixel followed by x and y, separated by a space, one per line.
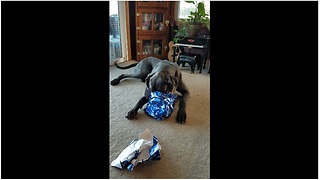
pixel 205 57
pixel 201 62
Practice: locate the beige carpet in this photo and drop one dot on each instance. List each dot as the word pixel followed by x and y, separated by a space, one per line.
pixel 185 150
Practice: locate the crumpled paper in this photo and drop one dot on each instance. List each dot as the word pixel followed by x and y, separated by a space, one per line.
pixel 139 150
pixel 160 105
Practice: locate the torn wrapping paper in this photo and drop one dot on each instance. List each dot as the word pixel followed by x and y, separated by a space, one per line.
pixel 139 150
pixel 160 105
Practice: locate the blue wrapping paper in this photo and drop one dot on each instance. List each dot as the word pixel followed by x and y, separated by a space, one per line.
pixel 154 154
pixel 160 105
pixel 142 149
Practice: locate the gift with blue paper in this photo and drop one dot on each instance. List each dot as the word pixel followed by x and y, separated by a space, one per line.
pixel 160 105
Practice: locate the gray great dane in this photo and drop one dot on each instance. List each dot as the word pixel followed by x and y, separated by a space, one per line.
pixel 159 75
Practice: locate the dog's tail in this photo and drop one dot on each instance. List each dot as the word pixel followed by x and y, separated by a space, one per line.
pixel 125 67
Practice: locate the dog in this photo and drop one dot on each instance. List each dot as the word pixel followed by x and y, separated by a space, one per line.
pixel 159 75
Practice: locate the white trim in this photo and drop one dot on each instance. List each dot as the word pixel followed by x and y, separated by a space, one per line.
pixel 123 29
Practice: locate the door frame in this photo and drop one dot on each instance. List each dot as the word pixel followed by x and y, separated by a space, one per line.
pixel 122 12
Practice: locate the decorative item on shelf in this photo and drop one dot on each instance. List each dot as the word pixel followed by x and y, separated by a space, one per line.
pixel 196 19
pixel 156 26
pixel 146 21
pixel 161 28
pixel 146 49
pixel 145 26
pixel 156 49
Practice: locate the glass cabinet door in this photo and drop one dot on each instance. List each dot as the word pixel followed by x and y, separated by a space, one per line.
pixel 152 47
pixel 151 22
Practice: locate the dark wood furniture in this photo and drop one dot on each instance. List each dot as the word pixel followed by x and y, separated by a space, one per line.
pixel 152 29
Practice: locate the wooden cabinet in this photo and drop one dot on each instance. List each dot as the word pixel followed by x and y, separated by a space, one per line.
pixel 152 29
pixel 155 4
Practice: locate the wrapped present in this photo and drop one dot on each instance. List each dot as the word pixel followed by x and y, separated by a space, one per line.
pixel 160 105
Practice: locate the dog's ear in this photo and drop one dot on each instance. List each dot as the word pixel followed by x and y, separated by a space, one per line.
pixel 172 79
pixel 148 80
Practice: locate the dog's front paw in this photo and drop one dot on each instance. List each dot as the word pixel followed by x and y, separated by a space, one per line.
pixel 181 117
pixel 132 115
pixel 115 82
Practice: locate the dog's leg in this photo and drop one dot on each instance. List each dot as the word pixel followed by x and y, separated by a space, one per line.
pixel 181 114
pixel 132 114
pixel 117 80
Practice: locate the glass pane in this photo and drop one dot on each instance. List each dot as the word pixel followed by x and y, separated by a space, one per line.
pixel 114 32
pixel 158 22
pixel 157 46
pixel 146 21
pixel 185 8
pixel 146 47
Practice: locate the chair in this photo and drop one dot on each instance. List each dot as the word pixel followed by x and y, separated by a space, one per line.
pixel 191 60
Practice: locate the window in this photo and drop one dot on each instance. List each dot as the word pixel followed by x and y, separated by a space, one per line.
pixel 117 32
pixel 185 8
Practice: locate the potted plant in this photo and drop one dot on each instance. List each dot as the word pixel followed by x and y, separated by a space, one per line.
pixel 197 19
pixel 181 34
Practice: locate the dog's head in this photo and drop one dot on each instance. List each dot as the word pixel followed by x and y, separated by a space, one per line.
pixel 161 81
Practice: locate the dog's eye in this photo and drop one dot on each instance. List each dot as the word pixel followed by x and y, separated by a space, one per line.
pixel 165 87
pixel 169 87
